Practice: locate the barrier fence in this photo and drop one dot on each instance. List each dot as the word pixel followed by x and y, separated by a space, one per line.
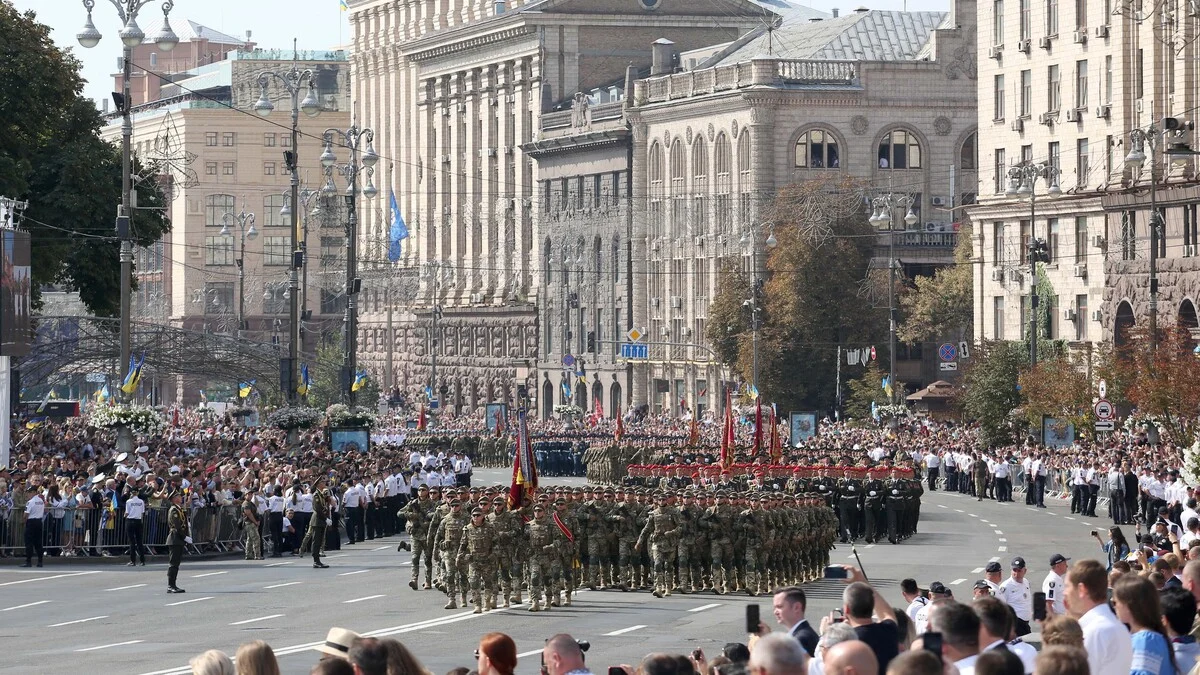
pixel 106 532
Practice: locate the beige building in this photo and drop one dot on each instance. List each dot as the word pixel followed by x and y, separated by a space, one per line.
pixel 218 159
pixel 1065 85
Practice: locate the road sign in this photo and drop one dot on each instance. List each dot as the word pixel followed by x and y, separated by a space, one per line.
pixel 1103 389
pixel 635 350
pixel 634 335
pixel 1106 425
pixel 568 360
pixel 1104 410
pixel 963 350
pixel 434 404
pixel 947 352
pixel 949 365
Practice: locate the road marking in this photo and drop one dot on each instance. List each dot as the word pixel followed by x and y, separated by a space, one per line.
pixel 972 515
pixel 530 653
pixel 208 574
pixel 123 588
pixel 1088 524
pixel 998 531
pixel 1030 508
pixel 851 557
pixel 941 506
pixel 369 597
pixel 338 555
pixel 1002 539
pixel 959 510
pixel 1069 517
pixel 406 563
pixel 346 574
pixel 995 559
pixel 289 562
pixel 977 570
pixel 957 582
pixel 261 618
pixel 624 631
pixel 869 546
pixel 185 602
pixel 56 576
pixel 290 583
pixel 1002 549
pixel 115 644
pixel 701 608
pixel 68 623
pixel 381 548
pixel 32 604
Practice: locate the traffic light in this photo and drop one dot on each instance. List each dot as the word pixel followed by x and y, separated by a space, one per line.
pixel 591 342
pixel 1039 251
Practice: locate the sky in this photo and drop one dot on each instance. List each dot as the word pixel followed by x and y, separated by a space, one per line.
pixel 317 24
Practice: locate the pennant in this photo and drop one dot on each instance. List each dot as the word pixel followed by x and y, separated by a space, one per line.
pixel 524 479
pixel 776 445
pixel 305 381
pixel 342 4
pixel 244 388
pixel 727 434
pixel 694 432
pixel 566 390
pixel 42 406
pixel 360 380
pixel 398 232
pixel 421 420
pixel 134 376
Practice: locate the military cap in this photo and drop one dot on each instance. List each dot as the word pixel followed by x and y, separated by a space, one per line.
pixel 476 511
pixel 455 502
pixel 560 500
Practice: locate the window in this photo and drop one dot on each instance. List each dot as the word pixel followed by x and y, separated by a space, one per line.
pixel 334 302
pixel 1190 230
pixel 997 22
pixel 616 259
pixel 998 242
pixel 1023 10
pixel 657 175
pixel 1053 155
pixel 1026 233
pixel 210 168
pixel 1081 161
pixel 968 153
pixel 1052 18
pixel 998 317
pixel 276 299
pixel 998 97
pixel 1081 84
pixel 679 198
pixel 1026 154
pixel 1024 318
pixel 218 297
pixel 745 205
pixel 1053 88
pixel 285 140
pixel 218 250
pixel 1000 169
pixel 1080 14
pixel 1139 74
pixel 1108 79
pixel 268 168
pixel 1081 239
pixel 1052 314
pixel 153 59
pixel 1081 317
pixel 1128 235
pixel 276 251
pixel 899 150
pixel 228 168
pixel 699 187
pixel 210 139
pixel 722 201
pixel 817 149
pixel 1026 93
pixel 215 208
pixel 272 211
pixel 227 139
pixel 269 140
pixel 1158 231
pixel 1052 239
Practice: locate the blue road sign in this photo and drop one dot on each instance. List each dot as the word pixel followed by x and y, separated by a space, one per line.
pixel 635 350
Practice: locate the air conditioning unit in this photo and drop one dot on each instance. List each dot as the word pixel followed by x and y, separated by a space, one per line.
pixel 995 52
pixel 1015 276
pixel 722 239
pixel 665 332
pixel 1081 36
pixel 655 302
pixel 1074 115
pixel 1069 315
pixel 1104 111
pixel 1024 46
pixel 1081 271
pixel 676 302
pixel 1044 42
pixel 1097 315
pixel 687 332
pixel 655 244
pixel 445 159
pixel 939 201
pixel 1098 241
pixel 1189 251
pixel 487 152
pixel 1102 31
pixel 476 298
pixel 1018 125
pixel 508 149
pixel 445 112
pixel 998 275
pixel 1048 118
pixel 700 241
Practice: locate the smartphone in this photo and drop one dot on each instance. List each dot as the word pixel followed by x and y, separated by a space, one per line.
pixel 697 654
pixel 835 572
pixel 932 643
pixel 615 670
pixel 838 616
pixel 1093 533
pixel 1039 606
pixel 752 619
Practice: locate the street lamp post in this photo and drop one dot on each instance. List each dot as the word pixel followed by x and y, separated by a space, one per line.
pixel 882 207
pixel 246 232
pixel 307 196
pixel 359 162
pixel 131 36
pixel 436 270
pixel 293 82
pixel 750 238
pixel 1022 183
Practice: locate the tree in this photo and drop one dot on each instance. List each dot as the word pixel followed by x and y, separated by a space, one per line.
pixel 726 316
pixel 943 304
pixel 989 389
pixel 1165 381
pixel 865 390
pixel 52 156
pixel 326 375
pixel 1057 387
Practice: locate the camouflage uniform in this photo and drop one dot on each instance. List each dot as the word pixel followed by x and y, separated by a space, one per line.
pixel 662 531
pixel 567 579
pixel 689 578
pixel 718 520
pixel 625 515
pixel 417 515
pixel 542 560
pixel 506 526
pixel 753 523
pixel 475 554
pixel 447 540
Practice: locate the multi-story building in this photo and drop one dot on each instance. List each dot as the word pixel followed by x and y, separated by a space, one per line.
pixel 1064 86
pixel 217 159
pixel 152 69
pixel 887 97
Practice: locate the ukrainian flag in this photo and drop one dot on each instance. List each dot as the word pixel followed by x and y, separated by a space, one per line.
pixel 134 376
pixel 244 388
pixel 35 422
pixel 343 5
pixel 360 380
pixel 103 394
pixel 305 382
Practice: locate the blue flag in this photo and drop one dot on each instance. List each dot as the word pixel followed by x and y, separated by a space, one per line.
pixel 398 233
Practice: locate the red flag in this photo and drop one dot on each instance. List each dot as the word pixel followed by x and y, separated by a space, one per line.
pixel 597 411
pixel 524 480
pixel 694 434
pixel 758 423
pixel 776 446
pixel 727 435
pixel 421 420
pixel 619 431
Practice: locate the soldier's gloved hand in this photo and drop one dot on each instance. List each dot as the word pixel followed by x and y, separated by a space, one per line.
pixel 187 540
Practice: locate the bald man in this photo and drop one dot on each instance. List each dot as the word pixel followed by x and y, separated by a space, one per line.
pixel 853 657
pixel 779 654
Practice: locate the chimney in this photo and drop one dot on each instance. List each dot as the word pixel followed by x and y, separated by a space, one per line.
pixel 248 35
pixel 662 57
pixel 835 12
pixel 500 6
pixel 630 78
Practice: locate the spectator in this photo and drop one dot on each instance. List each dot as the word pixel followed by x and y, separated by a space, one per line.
pixel 332 666
pixel 1179 613
pixel 789 605
pixel 912 595
pixel 852 657
pixel 999 662
pixel 1063 661
pixel 737 653
pixel 959 626
pixel 496 655
pixel 860 602
pixel 401 661
pixel 915 662
pixel 1015 593
pixel 938 595
pixel 1136 602
pixel 831 635
pixel 905 631
pixel 775 654
pixel 337 642
pixel 995 628
pixel 211 662
pixel 1106 639
pixel 1191 583
pixel 1116 548
pixel 1062 631
pixel 256 658
pixel 659 664
pixel 368 656
pixel 461 670
pixel 562 655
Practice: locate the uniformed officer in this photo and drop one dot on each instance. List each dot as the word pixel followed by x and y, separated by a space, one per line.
pixel 315 537
pixel 135 509
pixel 475 555
pixel 178 535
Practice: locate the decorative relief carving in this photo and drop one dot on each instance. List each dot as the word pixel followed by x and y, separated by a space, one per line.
pixel 712 132
pixel 941 126
pixel 858 125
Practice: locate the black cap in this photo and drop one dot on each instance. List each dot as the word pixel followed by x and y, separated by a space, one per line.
pixel 937 588
pixel 982 585
pixel 1058 558
pixel 1018 563
pixel 992 567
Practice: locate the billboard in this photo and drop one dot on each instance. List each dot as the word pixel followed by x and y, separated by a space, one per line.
pixel 16 335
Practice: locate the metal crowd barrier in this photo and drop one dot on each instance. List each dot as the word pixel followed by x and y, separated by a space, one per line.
pixel 105 532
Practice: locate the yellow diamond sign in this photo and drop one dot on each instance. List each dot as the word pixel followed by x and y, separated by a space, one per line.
pixel 634 335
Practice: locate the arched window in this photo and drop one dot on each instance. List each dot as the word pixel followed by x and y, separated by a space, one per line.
pixel 968 154
pixel 596 245
pixel 817 149
pixel 657 174
pixel 549 257
pixel 678 187
pixel 744 199
pixel 899 150
pixel 616 258
pixel 723 184
pixel 699 186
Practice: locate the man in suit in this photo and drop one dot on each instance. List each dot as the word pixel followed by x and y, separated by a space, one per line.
pixel 789 605
pixel 178 536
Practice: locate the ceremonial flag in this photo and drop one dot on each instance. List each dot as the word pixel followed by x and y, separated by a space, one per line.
pixel 566 390
pixel 399 231
pixel 175 417
pixel 758 423
pixel 203 398
pixel 524 480
pixel 619 430
pixel 694 433
pixel 597 411
pixel 42 406
pixel 360 380
pixel 727 435
pixel 343 5
pixel 244 388
pixel 305 381
pixel 499 423
pixel 581 374
pixel 887 387
pixel 35 422
pixel 103 394
pixel 421 420
pixel 776 446
pixel 130 384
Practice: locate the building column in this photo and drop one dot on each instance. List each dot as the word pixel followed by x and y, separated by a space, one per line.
pixel 639 388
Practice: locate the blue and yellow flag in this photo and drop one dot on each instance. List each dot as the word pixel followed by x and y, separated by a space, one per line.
pixel 305 382
pixel 103 394
pixel 244 388
pixel 360 380
pixel 343 5
pixel 134 376
pixel 35 422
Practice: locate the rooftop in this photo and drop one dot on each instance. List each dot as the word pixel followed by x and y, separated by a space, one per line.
pixel 190 31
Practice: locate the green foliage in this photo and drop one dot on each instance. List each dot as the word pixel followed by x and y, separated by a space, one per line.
pixel 727 321
pixel 943 304
pixel 865 390
pixel 326 375
pixel 989 389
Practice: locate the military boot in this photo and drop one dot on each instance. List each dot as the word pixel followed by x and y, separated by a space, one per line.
pixel 567 600
pixel 535 605
pixel 477 602
pixel 451 604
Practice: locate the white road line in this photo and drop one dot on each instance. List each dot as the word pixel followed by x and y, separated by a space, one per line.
pixel 337 555
pixel 208 574
pixel 381 548
pixel 185 602
pixel 959 510
pixel 68 623
pixel 261 618
pixel 531 653
pixel 406 562
pixel 369 597
pixel 1001 539
pixel 289 562
pixel 972 515
pixel 1030 508
pixel 1069 517
pixel 1088 524
pixel 290 583
pixel 869 546
pixel 624 631
pixel 1002 549
pixel 977 570
pixel 957 582
pixel 941 506
pixel 701 608
pixel 32 604
pixel 346 574
pixel 123 588
pixel 995 559
pixel 115 644
pixel 56 576
pixel 998 531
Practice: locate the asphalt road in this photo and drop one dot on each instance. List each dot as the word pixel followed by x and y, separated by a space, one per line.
pixel 121 619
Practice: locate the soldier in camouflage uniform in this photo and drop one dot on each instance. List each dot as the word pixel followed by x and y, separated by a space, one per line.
pixel 567 580
pixel 475 555
pixel 718 521
pixel 541 564
pixel 417 514
pixel 594 538
pixel 624 518
pixel 506 526
pixel 661 531
pixel 689 578
pixel 441 508
pixel 447 540
pixel 753 522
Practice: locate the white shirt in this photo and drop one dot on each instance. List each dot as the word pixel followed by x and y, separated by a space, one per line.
pixel 304 504
pixel 35 508
pixel 275 504
pixel 1016 594
pixel 966 666
pixel 1107 641
pixel 1052 586
pixel 350 499
pixel 932 461
pixel 1025 651
pixel 922 618
pixel 134 508
pixel 1000 470
pixel 1187 514
pixel 915 606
